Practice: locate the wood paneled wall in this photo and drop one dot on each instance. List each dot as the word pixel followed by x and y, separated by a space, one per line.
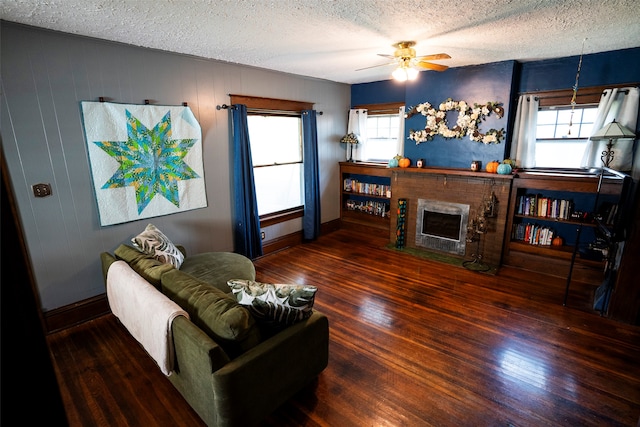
pixel 46 74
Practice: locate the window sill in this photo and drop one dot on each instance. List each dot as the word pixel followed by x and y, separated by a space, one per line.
pixel 281 216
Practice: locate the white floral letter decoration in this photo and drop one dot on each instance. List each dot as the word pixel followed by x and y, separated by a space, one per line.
pixel 467 124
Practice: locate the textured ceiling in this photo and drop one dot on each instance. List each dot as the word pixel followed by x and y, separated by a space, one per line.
pixel 331 39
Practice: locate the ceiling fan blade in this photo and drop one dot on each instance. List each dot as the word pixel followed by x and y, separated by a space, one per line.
pixel 374 66
pixel 431 66
pixel 387 56
pixel 433 57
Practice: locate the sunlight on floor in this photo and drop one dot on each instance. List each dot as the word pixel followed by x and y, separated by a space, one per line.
pixel 523 367
pixel 374 312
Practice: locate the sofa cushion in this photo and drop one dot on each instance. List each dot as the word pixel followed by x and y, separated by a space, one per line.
pixel 216 268
pixel 275 303
pixel 144 264
pixel 154 242
pixel 216 313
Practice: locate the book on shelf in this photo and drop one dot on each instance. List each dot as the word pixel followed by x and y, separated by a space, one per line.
pixel 544 207
pixel 354 186
pixel 534 234
pixel 370 207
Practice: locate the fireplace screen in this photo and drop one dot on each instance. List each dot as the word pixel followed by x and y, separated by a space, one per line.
pixel 442 226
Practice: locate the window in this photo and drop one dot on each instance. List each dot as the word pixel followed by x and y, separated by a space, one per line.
pixel 384 126
pixel 382 136
pixel 276 151
pixel 557 143
pixel 275 133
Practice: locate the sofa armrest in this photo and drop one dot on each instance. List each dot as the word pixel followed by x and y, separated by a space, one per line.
pixel 106 259
pixel 254 384
pixel 196 357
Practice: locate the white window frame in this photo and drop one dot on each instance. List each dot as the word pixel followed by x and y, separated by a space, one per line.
pixel 382 135
pixel 396 141
pixel 562 138
pixel 279 179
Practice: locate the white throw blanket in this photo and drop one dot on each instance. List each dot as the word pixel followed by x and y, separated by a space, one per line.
pixel 146 312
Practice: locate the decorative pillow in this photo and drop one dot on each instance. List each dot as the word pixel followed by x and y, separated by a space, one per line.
pixel 279 303
pixel 153 242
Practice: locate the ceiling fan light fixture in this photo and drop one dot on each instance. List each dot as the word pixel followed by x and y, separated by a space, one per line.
pixel 402 74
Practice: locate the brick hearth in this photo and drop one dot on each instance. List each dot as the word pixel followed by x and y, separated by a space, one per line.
pixel 453 186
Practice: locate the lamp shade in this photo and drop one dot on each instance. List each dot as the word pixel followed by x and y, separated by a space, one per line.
pixel 350 138
pixel 613 130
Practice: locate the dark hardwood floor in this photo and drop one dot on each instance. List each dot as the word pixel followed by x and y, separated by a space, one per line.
pixel 413 343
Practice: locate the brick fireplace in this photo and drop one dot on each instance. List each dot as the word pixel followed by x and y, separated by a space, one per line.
pixel 452 186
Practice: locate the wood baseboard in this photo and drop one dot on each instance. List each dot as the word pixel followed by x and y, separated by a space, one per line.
pixel 296 238
pixel 74 314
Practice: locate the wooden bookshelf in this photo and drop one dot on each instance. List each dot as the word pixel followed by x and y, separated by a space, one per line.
pixel 368 202
pixel 556 260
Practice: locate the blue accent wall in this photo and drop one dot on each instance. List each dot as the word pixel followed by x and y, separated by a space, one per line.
pixel 502 82
pixel 378 92
pixel 614 67
pixel 477 84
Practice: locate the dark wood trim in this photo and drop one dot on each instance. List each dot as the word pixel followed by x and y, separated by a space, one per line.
pixel 378 109
pixel 74 314
pixel 270 103
pixel 296 238
pixel 279 243
pixel 329 227
pixel 283 216
pixel 562 97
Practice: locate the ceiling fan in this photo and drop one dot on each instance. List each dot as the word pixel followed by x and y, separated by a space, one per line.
pixel 407 61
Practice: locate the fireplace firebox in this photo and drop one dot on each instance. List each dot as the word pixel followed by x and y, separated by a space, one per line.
pixel 442 226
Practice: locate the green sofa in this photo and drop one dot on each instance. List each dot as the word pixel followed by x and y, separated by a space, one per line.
pixel 232 370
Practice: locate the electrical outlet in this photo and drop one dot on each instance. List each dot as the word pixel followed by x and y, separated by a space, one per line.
pixel 41 190
pixel 262 235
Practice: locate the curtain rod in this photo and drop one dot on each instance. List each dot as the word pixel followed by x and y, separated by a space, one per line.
pixel 263 111
pixel 625 91
pixel 383 110
pixel 146 101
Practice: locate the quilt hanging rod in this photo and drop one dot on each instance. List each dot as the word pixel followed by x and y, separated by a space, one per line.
pixel 146 101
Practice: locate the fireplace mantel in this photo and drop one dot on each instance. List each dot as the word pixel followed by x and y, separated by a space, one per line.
pixel 451 171
pixel 454 186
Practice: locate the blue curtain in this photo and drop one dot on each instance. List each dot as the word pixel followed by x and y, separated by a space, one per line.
pixel 311 219
pixel 246 232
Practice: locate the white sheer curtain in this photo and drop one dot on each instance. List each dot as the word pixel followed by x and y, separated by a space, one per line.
pixel 620 104
pixel 358 125
pixel 523 145
pixel 400 143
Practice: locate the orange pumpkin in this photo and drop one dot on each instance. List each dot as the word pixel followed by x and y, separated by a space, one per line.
pixel 404 162
pixel 557 241
pixel 492 166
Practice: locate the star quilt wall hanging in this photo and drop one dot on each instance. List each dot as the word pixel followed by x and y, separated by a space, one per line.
pixel 146 160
